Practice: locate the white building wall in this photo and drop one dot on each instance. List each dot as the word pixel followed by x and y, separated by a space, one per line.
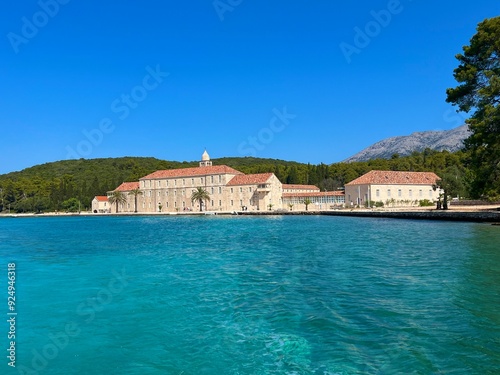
pixel 393 195
pixel 100 207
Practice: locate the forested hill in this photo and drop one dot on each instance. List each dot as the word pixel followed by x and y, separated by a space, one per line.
pixel 107 169
pixel 60 185
pixel 48 186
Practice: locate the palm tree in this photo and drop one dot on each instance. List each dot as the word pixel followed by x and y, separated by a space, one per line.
pixel 307 202
pixel 200 195
pixel 135 193
pixel 270 205
pixel 117 197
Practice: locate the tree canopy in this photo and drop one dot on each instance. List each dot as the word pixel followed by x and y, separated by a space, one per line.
pixel 200 195
pixel 478 93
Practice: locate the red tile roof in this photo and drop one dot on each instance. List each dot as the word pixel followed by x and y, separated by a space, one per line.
pixel 101 198
pixel 300 187
pixel 128 186
pixel 250 179
pixel 191 172
pixel 395 178
pixel 315 194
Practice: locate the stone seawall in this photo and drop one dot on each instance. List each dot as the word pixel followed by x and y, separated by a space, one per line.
pixel 471 202
pixel 472 216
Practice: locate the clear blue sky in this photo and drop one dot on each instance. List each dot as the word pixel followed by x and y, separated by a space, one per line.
pixel 293 80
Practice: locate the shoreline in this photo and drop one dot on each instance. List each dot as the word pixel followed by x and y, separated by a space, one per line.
pixel 480 214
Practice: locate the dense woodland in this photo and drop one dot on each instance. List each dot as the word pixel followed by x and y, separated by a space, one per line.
pixel 70 185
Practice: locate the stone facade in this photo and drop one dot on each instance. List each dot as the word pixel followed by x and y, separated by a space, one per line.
pixel 295 188
pixel 100 204
pixel 229 190
pixel 392 188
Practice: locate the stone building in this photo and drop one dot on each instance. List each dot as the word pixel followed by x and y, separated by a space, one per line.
pixel 229 190
pixel 100 204
pixel 295 196
pixel 318 200
pixel 392 188
pixel 129 206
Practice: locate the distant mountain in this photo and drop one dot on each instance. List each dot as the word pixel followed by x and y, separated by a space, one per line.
pixel 450 140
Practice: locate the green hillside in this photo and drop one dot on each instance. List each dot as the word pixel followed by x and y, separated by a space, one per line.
pixel 68 184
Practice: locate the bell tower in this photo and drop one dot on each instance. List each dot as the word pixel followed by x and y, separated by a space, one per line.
pixel 205 160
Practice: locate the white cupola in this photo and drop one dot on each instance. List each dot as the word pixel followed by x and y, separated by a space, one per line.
pixel 205 160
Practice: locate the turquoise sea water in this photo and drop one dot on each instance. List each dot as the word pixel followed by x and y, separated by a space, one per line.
pixel 251 295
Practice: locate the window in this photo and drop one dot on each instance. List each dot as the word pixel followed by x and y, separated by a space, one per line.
pixel 399 192
pixel 192 181
pixel 201 180
pixel 410 193
pixel 241 202
pixel 220 203
pixel 231 202
pixel 220 178
pixel 212 190
pixel 159 183
pixel 250 189
pixel 175 192
pixel 183 204
pixel 430 193
pixel 377 193
pixel 166 193
pixel 183 181
pixel 159 193
pixel 166 182
pixel 241 190
pixel 212 180
pixel 420 193
pixel 212 203
pixel 220 190
pixel 231 190
pixel 175 204
pixel 175 182
pixel 388 192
